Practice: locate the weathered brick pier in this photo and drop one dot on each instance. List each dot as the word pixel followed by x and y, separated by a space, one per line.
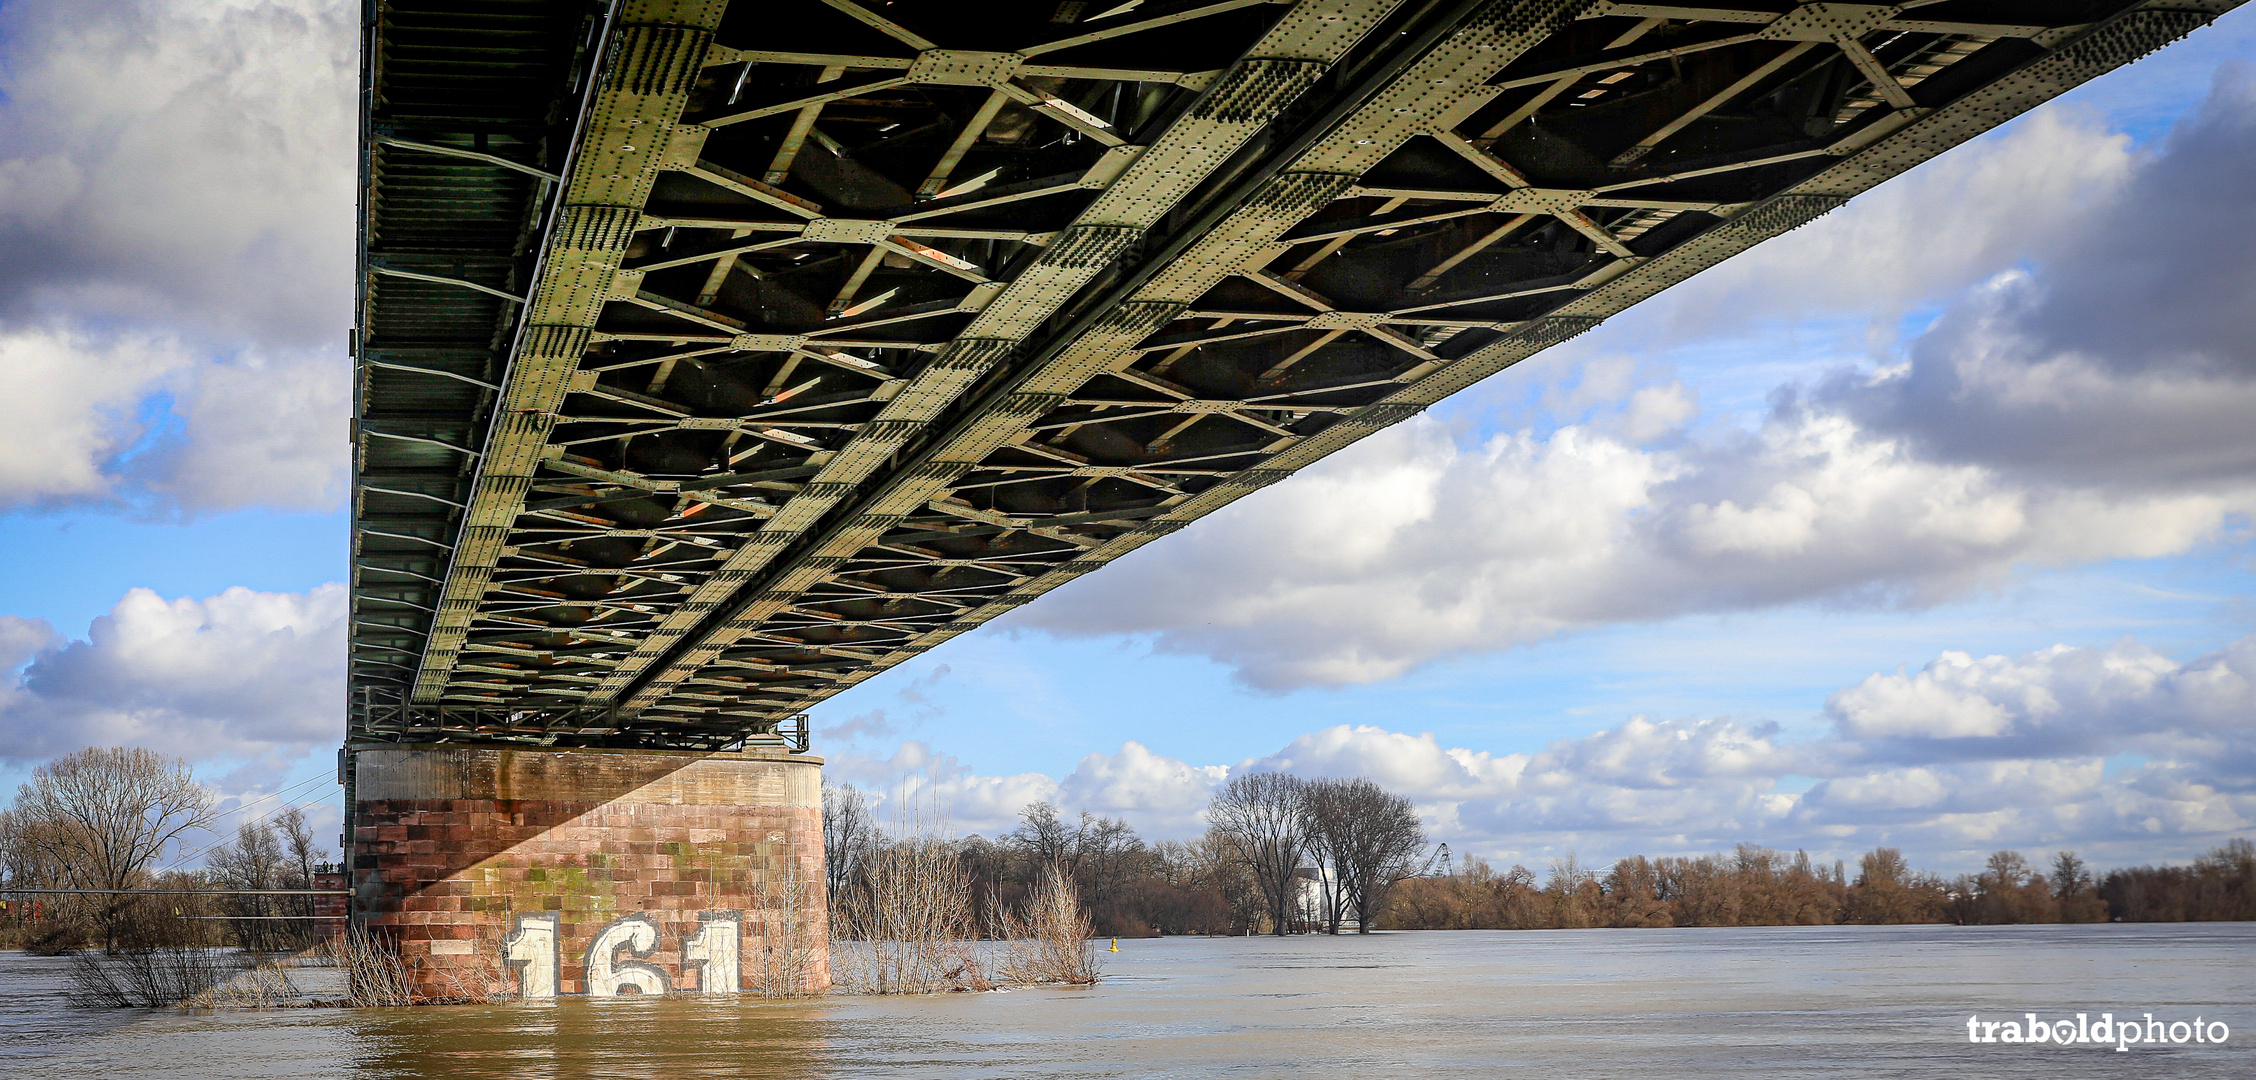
pixel 590 871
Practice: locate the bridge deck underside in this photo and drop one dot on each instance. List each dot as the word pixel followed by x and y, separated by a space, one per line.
pixel 444 80
pixel 849 332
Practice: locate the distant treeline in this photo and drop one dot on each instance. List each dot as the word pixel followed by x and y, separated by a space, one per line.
pixel 1283 855
pixel 1128 887
pixel 1756 886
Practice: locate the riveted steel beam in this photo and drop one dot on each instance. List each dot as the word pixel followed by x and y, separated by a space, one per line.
pixel 982 324
pixel 1277 68
pixel 1429 84
pixel 1261 227
pixel 897 340
pixel 457 160
pixel 655 50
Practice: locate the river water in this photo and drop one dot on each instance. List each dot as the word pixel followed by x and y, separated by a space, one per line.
pixel 1771 1002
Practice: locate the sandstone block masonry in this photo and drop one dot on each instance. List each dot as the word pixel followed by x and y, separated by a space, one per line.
pixel 540 872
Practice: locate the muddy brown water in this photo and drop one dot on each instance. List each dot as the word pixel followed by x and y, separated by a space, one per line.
pixel 1743 1002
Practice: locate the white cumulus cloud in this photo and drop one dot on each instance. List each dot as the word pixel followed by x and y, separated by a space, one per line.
pixel 1928 233
pixel 2119 752
pixel 176 208
pixel 2080 408
pixel 241 674
pixel 1412 547
pixel 72 409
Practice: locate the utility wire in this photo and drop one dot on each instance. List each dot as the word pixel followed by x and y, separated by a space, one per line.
pixel 221 838
pixel 248 803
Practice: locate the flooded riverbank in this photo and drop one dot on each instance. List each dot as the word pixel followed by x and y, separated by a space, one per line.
pixel 1758 1001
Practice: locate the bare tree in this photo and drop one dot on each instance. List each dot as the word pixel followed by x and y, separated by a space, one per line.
pixel 849 835
pixel 1881 894
pixel 1375 841
pixel 1327 815
pixel 1214 863
pixel 1044 838
pixel 1201 888
pixel 30 858
pixel 106 814
pixel 1260 815
pixel 1098 855
pixel 2068 875
pixel 299 848
pixel 2008 868
pixel 1108 853
pixel 26 859
pixel 254 860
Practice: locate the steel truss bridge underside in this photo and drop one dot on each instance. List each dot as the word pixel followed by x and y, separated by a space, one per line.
pixel 713 357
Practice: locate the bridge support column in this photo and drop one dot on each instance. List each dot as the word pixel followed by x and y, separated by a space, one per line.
pixel 553 871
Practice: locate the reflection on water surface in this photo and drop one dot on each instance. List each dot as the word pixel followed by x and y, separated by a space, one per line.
pixel 1770 1002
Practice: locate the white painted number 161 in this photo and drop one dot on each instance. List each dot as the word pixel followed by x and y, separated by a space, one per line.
pixel 711 951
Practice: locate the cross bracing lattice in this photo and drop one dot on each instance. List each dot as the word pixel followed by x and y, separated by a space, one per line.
pixel 715 357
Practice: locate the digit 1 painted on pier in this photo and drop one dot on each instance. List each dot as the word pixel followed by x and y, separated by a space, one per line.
pixel 713 950
pixel 531 949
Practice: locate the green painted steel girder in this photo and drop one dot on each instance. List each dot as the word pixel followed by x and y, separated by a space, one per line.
pixel 715 357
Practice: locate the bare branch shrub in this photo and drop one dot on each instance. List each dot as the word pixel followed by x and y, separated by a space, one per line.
pixel 375 973
pixel 1054 943
pixel 264 985
pixel 785 964
pixel 148 979
pixel 907 929
pixel 165 956
pixel 479 985
pixel 55 936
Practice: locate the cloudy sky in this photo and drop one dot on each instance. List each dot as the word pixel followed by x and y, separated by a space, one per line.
pixel 1929 524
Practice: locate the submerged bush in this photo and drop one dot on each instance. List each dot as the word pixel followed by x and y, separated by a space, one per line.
pixel 55 937
pixel 1052 944
pixel 907 928
pixel 163 957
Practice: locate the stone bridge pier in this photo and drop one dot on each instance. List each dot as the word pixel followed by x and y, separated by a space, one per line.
pixel 539 872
